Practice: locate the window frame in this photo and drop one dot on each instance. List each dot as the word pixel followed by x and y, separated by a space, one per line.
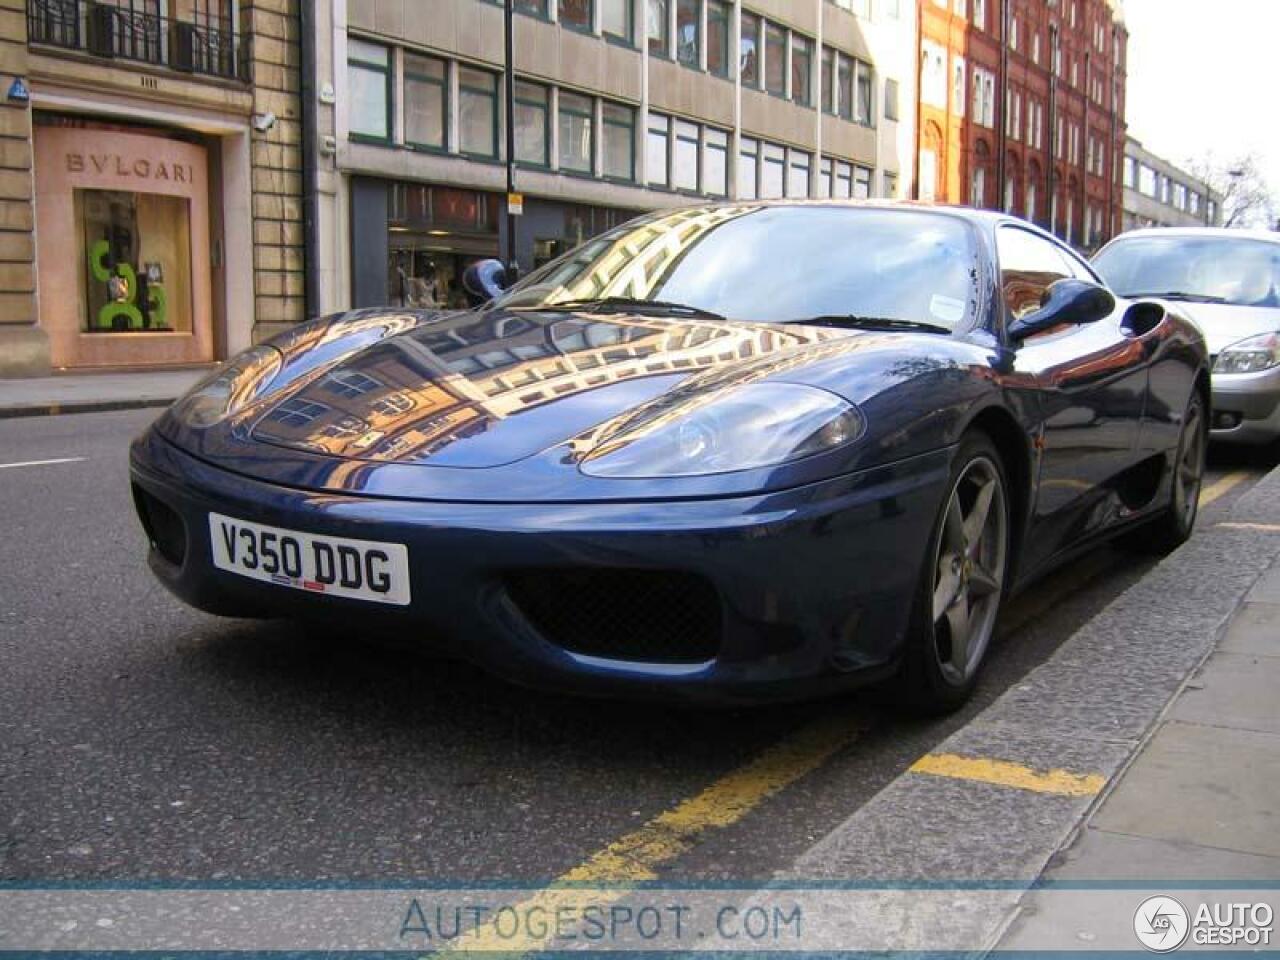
pixel 591 123
pixel 627 39
pixel 388 75
pixel 630 128
pixel 571 25
pixel 445 99
pixel 495 126
pixel 545 107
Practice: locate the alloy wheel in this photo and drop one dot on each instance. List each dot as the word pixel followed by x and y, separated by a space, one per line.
pixel 969 570
pixel 1189 470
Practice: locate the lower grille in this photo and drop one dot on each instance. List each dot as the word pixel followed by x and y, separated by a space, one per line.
pixel 164 527
pixel 651 616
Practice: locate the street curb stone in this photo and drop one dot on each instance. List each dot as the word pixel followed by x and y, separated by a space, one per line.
pixel 1087 709
pixel 85 406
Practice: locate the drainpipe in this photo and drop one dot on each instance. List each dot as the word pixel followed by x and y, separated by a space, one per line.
pixel 310 154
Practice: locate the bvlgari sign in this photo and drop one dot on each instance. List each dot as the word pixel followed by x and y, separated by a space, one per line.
pixel 140 167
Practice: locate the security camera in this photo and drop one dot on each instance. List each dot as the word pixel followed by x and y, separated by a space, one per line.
pixel 262 122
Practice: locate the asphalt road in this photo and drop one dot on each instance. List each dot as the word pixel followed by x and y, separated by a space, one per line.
pixel 140 740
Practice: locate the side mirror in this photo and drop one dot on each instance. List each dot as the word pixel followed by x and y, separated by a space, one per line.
pixel 484 280
pixel 1065 301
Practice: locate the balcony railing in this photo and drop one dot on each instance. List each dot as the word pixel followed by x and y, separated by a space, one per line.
pixel 105 30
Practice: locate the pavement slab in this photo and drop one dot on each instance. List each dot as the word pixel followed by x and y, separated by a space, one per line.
pixel 1235 690
pixel 86 392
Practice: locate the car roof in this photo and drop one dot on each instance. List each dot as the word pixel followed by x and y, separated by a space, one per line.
pixel 1225 233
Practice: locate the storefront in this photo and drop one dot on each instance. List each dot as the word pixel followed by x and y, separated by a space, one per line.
pixel 122 244
pixel 411 242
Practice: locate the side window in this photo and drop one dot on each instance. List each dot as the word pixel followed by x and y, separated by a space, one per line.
pixel 1079 268
pixel 1028 265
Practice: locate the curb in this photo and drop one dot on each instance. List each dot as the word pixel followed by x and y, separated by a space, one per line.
pixel 50 409
pixel 1086 711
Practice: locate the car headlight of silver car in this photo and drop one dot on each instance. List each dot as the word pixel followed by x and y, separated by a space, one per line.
pixel 232 387
pixel 1249 356
pixel 744 427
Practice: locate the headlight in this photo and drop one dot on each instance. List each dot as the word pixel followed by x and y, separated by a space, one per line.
pixel 230 388
pixel 754 425
pixel 1249 356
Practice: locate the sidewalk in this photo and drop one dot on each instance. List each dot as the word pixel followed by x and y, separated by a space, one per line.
pixel 1198 803
pixel 87 392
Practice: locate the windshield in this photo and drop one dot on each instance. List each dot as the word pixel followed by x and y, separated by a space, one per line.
pixel 1240 271
pixel 774 264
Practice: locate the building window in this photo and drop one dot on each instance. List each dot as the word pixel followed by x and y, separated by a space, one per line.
pixel 824 178
pixel 843 186
pixel 616 19
pixel 576 14
pixel 775 59
pixel 844 86
pixel 575 132
pixel 865 94
pixel 933 74
pixel 798 173
pixel 533 124
pixel 689 32
pixel 801 69
pixel 890 184
pixel 619 141
pixel 657 143
pixel 748 168
pixel 685 163
pixel 773 170
pixel 477 112
pixel 536 7
pixel 425 102
pixel 718 14
pixel 984 97
pixel 958 87
pixel 980 14
pixel 715 162
pixel 749 51
pixel 826 80
pixel 369 82
pixel 978 188
pixel 657 27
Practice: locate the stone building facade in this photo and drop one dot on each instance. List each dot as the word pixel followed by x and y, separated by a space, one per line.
pixel 150 198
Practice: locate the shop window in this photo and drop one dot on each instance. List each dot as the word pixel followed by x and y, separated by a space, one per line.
pixel 773 171
pixel 657 27
pixel 575 132
pixel 861 183
pixel 798 174
pixel 656 144
pixel 137 261
pixel 533 131
pixel 619 141
pixel 369 83
pixel 477 112
pixel 686 156
pixel 616 19
pixel 576 14
pixel 749 50
pixel 775 59
pixel 689 32
pixel 748 168
pixel 718 14
pixel 425 102
pixel 801 69
pixel 715 162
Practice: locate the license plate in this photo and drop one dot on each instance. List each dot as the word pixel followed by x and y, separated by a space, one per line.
pixel 333 566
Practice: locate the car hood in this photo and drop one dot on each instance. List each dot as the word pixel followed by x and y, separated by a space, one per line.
pixel 1224 324
pixel 493 405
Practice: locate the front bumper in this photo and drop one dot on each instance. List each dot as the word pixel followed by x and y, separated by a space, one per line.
pixel 1246 407
pixel 813 585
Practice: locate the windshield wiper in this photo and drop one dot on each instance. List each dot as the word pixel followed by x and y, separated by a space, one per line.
pixel 1177 295
pixel 635 304
pixel 871 323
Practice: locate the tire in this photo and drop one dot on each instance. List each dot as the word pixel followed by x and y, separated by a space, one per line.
pixel 962 582
pixel 1173 527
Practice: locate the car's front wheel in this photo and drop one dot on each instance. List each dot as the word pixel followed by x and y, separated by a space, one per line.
pixel 962 583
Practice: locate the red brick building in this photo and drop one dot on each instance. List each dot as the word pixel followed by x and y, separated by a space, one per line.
pixel 1021 108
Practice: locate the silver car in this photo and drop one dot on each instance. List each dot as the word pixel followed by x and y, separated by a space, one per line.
pixel 1228 281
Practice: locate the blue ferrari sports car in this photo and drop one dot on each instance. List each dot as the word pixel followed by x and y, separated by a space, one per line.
pixel 737 452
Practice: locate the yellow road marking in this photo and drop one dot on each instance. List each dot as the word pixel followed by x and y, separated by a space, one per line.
pixel 1006 774
pixel 1222 485
pixel 636 857
pixel 1266 527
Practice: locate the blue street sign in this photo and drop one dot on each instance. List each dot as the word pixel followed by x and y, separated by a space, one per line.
pixel 19 91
